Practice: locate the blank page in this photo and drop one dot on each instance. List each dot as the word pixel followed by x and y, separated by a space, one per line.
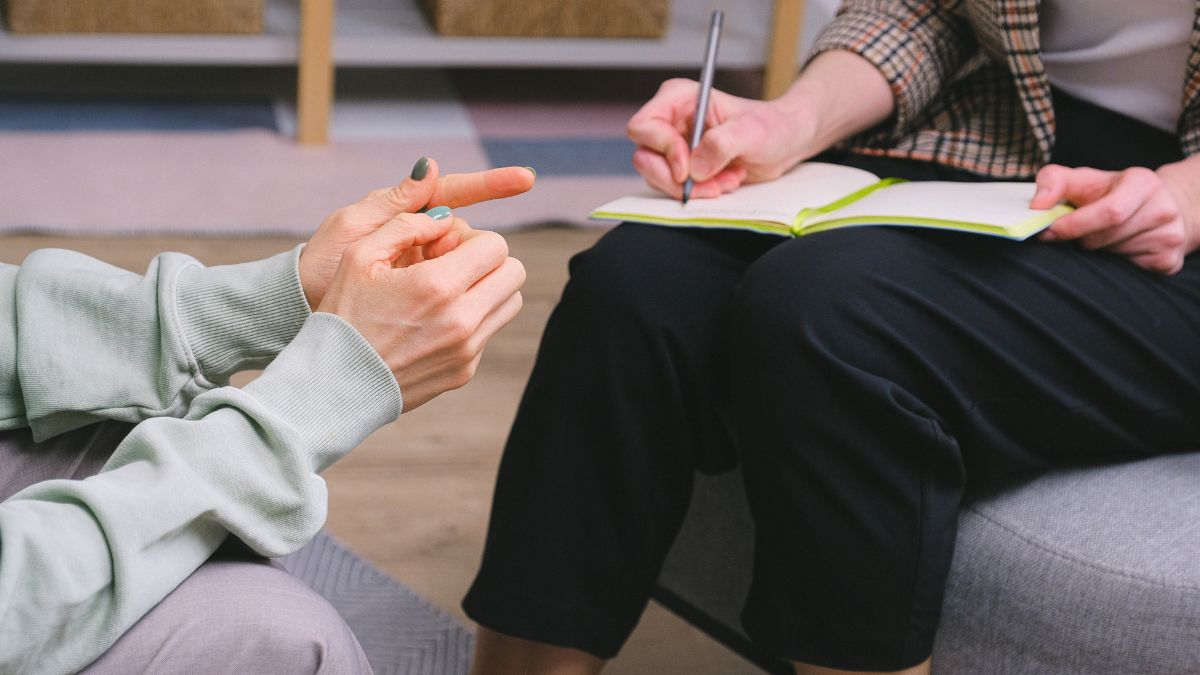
pixel 809 185
pixel 1002 204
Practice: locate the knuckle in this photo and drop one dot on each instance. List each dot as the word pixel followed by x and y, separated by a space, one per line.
pixel 1051 172
pixel 356 255
pixel 1164 214
pixel 496 243
pixel 464 376
pixel 435 287
pixel 1140 175
pixel 1172 238
pixel 458 332
pixel 676 84
pixel 1111 212
pixel 1161 262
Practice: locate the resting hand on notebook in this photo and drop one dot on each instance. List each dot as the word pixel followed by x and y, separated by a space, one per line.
pixel 424 188
pixel 1148 216
pixel 749 141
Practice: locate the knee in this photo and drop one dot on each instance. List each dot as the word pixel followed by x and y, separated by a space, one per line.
pixel 634 271
pixel 242 616
pixel 280 619
pixel 844 295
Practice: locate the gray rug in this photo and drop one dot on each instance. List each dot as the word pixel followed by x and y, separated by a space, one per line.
pixel 401 632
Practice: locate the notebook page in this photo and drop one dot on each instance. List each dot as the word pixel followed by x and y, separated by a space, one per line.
pixel 1001 204
pixel 809 185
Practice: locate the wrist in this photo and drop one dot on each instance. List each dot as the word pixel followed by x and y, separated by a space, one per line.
pixel 1182 181
pixel 799 116
pixel 238 317
pixel 308 278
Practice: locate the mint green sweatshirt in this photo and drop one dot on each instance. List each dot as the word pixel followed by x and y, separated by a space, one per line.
pixel 81 341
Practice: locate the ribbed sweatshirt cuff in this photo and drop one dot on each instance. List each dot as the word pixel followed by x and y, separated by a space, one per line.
pixel 239 317
pixel 331 386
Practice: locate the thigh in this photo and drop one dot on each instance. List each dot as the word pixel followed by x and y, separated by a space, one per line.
pixel 237 616
pixel 1029 355
pixel 75 455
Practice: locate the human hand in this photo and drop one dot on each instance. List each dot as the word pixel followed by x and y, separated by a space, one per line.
pixel 431 319
pixel 745 141
pixel 1138 213
pixel 424 188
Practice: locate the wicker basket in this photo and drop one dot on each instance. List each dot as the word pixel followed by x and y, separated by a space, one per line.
pixel 135 16
pixel 550 18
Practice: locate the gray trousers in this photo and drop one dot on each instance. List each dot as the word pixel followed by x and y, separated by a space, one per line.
pixel 238 613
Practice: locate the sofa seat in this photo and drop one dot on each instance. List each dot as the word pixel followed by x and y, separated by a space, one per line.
pixel 1091 571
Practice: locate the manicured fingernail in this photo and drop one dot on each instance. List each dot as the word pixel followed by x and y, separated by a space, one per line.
pixel 439 212
pixel 420 169
pixel 532 171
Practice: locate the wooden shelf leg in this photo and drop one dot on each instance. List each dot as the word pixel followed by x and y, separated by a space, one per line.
pixel 314 99
pixel 787 18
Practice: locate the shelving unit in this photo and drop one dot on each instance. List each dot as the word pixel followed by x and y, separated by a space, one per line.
pixel 394 33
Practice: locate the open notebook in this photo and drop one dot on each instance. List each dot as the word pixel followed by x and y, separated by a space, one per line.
pixel 816 196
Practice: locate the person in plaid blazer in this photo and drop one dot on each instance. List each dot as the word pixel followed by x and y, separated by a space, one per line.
pixel 867 380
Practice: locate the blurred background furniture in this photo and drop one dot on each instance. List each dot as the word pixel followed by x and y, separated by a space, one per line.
pixel 395 33
pixel 1092 571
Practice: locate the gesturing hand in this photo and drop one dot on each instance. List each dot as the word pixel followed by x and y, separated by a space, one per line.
pixel 1137 212
pixel 429 320
pixel 424 188
pixel 745 141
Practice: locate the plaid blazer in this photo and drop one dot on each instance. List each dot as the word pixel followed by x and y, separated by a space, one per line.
pixel 971 89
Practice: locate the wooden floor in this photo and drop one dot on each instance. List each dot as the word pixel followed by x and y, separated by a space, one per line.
pixel 414 498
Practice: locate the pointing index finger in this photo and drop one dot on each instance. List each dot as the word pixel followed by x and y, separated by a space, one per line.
pixel 463 189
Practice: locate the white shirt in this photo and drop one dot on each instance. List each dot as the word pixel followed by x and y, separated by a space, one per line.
pixel 1129 56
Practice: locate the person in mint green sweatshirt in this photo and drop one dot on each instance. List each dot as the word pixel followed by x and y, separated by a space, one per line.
pixel 404 304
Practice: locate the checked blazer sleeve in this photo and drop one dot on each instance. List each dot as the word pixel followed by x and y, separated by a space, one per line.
pixel 917 45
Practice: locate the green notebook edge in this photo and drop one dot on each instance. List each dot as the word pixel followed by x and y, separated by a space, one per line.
pixel 1020 232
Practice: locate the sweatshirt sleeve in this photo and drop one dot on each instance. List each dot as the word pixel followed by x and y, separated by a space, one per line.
pixel 81 340
pixel 81 561
pixel 917 45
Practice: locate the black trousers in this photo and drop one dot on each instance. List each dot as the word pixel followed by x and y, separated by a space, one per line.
pixel 868 380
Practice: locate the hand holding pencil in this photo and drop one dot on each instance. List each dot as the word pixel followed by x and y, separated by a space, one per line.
pixel 743 140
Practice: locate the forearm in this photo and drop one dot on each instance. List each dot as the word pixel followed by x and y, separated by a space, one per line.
pixel 915 46
pixel 838 94
pixel 90 341
pixel 81 561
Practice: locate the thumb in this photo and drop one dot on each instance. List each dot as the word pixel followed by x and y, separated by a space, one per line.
pixel 411 195
pixel 1078 186
pixel 1051 186
pixel 403 232
pixel 719 146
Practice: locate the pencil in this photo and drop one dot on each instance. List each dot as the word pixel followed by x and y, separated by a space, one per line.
pixel 706 79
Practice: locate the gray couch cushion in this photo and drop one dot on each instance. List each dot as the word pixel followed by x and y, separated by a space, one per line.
pixel 1090 571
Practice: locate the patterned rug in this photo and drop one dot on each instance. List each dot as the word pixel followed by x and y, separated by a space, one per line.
pixel 401 632
pixel 209 151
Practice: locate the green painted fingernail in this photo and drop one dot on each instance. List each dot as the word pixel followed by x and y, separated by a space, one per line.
pixel 420 169
pixel 532 171
pixel 439 212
